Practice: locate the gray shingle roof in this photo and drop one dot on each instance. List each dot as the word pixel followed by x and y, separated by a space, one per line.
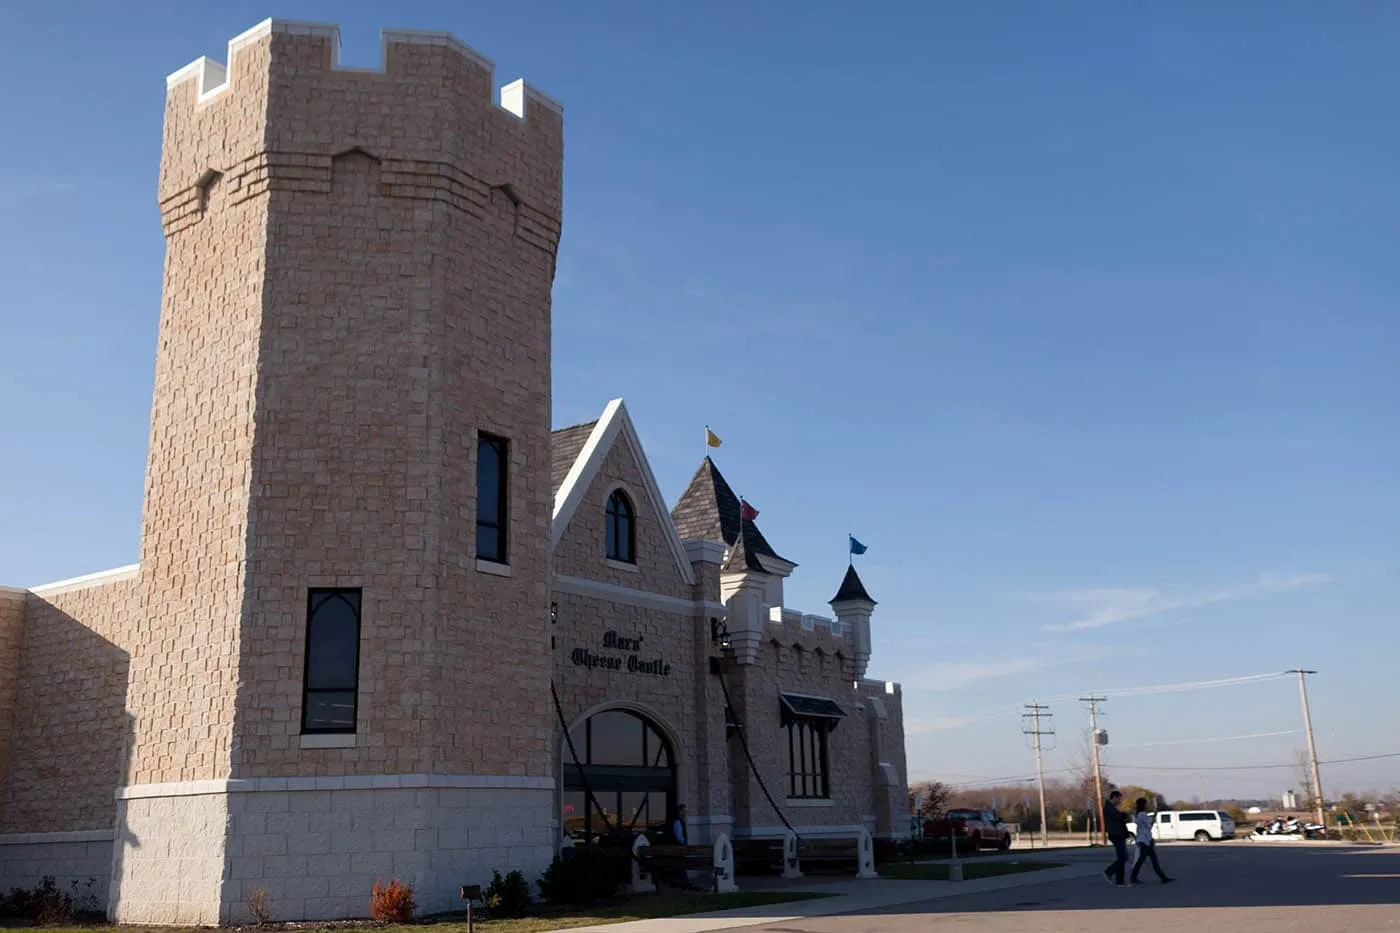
pixel 565 446
pixel 709 510
pixel 851 588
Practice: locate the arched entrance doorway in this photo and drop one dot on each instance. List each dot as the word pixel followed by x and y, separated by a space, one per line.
pixel 630 766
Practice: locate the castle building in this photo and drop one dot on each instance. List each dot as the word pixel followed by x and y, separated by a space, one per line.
pixel 385 622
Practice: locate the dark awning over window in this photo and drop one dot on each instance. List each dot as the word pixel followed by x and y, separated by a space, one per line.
pixel 796 704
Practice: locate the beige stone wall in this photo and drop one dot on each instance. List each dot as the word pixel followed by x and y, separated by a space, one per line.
pixel 669 636
pixel 363 287
pixel 70 726
pixel 581 551
pixel 169 860
pixel 198 475
pixel 890 784
pixel 411 255
pixel 11 637
pixel 795 660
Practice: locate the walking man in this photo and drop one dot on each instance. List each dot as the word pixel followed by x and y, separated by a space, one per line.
pixel 1147 849
pixel 1115 824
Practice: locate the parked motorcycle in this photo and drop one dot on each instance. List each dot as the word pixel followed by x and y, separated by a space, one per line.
pixel 1291 826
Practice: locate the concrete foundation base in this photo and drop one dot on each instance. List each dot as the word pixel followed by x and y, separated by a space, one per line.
pixel 313 848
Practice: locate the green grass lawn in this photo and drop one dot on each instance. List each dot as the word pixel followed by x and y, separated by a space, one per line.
pixel 938 871
pixel 640 907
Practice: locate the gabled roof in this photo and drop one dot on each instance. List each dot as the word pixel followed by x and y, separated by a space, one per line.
pixel 852 589
pixel 578 475
pixel 709 510
pixel 565 446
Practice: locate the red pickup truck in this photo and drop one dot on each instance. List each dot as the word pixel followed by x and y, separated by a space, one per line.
pixel 975 829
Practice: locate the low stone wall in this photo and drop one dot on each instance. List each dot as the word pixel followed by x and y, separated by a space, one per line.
pixel 79 862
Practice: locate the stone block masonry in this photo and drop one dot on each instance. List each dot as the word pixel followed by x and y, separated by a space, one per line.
pixel 357 287
pixel 79 862
pixel 316 846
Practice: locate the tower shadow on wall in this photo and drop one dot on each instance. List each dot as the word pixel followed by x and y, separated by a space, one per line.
pixel 70 738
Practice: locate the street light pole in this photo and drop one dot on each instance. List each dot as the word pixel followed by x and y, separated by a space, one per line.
pixel 1318 802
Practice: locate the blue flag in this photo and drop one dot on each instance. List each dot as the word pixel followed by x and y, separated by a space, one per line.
pixel 856 546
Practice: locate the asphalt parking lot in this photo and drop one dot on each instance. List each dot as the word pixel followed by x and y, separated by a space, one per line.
pixel 1240 886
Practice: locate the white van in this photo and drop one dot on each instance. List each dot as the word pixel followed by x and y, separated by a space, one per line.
pixel 1200 825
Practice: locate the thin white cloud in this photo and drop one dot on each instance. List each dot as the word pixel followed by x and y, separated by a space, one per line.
pixel 1108 605
pixel 942 676
pixel 1221 738
pixel 914 725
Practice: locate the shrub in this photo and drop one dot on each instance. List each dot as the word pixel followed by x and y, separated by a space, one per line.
pixel 392 903
pixel 508 896
pixel 45 904
pixel 581 877
pixel 260 909
pixel 887 850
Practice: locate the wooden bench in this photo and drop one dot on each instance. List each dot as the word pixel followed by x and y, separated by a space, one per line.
pixel 856 851
pixel 765 855
pixel 716 860
pixel 758 856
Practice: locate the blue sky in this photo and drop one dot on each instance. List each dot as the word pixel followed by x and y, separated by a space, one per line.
pixel 1080 315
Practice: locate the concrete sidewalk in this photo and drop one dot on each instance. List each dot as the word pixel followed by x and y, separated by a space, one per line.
pixel 844 897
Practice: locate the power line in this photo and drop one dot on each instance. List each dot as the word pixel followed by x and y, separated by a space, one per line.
pixel 1330 761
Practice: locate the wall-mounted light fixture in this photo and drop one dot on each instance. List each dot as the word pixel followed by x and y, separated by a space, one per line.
pixel 719 633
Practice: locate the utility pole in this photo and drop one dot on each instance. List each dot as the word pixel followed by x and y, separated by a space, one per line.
pixel 1037 712
pixel 1318 804
pixel 1094 702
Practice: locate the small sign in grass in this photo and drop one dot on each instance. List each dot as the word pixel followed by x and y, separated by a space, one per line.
pixel 938 871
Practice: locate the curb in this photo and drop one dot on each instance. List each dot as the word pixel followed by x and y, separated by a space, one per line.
pixel 849 897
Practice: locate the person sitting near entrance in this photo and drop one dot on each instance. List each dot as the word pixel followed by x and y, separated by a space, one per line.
pixel 679 877
pixel 678 826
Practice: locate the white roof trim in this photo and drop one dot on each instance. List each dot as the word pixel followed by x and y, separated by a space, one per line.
pixel 86 580
pixel 584 471
pixel 776 565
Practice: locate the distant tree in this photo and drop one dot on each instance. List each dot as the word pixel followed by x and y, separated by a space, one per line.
pixel 1307 798
pixel 934 796
pixel 1351 803
pixel 1131 792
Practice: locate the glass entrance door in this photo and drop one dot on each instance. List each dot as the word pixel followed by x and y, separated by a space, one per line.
pixel 630 768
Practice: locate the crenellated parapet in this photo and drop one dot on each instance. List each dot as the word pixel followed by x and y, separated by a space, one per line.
pixel 278 113
pixel 809 634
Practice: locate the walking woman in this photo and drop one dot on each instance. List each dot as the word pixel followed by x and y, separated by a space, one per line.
pixel 1147 849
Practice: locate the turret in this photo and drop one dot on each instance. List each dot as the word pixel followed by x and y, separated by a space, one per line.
pixel 752 573
pixel 853 607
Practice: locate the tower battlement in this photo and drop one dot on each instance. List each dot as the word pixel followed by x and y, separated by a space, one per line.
pixel 282 107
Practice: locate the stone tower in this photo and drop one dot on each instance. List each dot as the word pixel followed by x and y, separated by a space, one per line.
pixel 357 287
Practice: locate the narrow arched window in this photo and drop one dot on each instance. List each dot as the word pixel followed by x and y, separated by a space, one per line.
pixel 621 530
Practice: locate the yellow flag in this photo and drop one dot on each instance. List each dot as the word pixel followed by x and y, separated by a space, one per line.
pixel 711 439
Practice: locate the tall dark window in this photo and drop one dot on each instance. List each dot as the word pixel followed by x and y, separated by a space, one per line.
pixel 492 514
pixel 807 757
pixel 331 680
pixel 621 533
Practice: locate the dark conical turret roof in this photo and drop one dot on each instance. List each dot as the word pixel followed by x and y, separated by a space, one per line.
pixel 709 510
pixel 851 589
